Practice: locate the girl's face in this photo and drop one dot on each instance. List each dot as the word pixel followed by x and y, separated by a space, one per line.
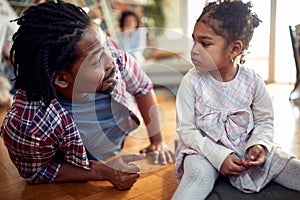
pixel 210 51
pixel 130 23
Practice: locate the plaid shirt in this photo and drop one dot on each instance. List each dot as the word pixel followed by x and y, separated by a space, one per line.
pixel 133 79
pixel 39 139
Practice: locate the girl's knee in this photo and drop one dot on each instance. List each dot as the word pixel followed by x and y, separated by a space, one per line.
pixel 197 167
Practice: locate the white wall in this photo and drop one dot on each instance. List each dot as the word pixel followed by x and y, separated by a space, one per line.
pixel 287 14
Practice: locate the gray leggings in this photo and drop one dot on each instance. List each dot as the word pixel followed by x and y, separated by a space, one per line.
pixel 199 178
pixel 290 175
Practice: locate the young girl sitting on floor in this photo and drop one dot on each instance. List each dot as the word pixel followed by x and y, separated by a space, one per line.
pixel 224 111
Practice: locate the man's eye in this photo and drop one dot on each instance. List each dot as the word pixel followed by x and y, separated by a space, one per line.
pixel 100 56
pixel 99 60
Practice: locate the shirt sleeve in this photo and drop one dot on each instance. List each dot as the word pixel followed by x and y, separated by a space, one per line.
pixel 72 147
pixel 263 115
pixel 187 130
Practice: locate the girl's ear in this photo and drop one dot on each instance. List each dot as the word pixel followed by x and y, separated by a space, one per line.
pixel 237 48
pixel 62 79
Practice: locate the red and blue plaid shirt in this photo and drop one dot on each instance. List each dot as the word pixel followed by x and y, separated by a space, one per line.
pixel 38 139
pixel 133 79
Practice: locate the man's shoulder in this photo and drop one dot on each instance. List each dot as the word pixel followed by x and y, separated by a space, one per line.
pixel 36 110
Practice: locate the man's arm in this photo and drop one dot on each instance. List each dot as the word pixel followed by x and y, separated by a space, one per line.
pixel 72 173
pixel 121 172
pixel 148 107
pixel 139 85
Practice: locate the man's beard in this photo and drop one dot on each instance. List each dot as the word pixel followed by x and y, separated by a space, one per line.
pixel 111 87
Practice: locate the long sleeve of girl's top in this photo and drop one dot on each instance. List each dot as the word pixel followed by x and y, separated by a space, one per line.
pixel 262 109
pixel 187 130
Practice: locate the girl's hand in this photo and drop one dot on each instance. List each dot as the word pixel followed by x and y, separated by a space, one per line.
pixel 232 166
pixel 256 155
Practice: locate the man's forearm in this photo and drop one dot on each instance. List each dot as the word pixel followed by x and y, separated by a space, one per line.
pixel 71 173
pixel 148 107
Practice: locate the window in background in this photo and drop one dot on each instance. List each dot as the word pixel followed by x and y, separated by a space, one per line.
pixel 258 57
pixel 194 8
pixel 287 14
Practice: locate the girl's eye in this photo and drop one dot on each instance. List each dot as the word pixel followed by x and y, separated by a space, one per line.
pixel 204 44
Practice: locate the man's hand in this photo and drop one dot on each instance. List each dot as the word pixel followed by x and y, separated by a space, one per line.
pixel 232 166
pixel 122 172
pixel 160 153
pixel 256 155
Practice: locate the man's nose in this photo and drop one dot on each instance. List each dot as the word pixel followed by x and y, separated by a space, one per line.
pixel 108 61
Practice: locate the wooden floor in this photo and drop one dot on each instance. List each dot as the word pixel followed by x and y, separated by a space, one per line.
pixel 156 182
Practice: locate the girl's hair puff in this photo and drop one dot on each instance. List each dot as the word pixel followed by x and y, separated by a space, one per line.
pixel 231 19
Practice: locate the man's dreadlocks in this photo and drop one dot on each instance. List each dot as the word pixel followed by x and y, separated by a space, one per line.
pixel 44 44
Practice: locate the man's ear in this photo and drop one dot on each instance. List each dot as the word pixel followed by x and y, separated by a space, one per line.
pixel 237 48
pixel 62 79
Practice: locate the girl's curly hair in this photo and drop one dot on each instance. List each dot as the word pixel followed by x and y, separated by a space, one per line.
pixel 231 19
